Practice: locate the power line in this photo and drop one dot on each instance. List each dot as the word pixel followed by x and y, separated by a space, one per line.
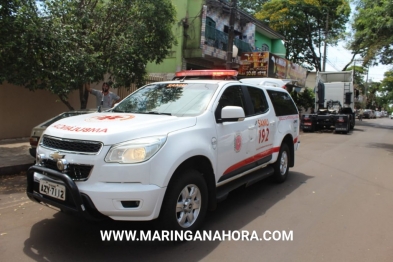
pixel 332 65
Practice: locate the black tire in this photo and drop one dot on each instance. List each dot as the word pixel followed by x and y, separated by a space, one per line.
pixel 352 121
pixel 347 130
pixel 281 167
pixel 194 206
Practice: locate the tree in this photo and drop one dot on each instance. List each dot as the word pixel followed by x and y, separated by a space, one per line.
pixel 386 90
pixel 360 73
pixel 372 94
pixel 66 44
pixel 307 26
pixel 251 6
pixel 373 26
pixel 304 100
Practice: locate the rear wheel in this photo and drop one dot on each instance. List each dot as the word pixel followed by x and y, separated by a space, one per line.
pixel 281 167
pixel 185 202
pixel 352 121
pixel 347 130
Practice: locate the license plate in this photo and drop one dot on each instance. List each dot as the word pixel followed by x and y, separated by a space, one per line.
pixel 52 189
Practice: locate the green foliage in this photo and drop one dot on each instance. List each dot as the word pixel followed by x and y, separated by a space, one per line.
pixel 373 26
pixel 66 44
pixel 304 100
pixel 360 73
pixel 251 6
pixel 386 90
pixel 372 95
pixel 304 23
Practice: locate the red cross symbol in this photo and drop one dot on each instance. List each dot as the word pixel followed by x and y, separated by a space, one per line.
pixel 108 117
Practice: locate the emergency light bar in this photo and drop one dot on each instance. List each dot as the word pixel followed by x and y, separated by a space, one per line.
pixel 219 72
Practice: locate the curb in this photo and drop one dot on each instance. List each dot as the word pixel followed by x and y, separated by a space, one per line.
pixel 12 170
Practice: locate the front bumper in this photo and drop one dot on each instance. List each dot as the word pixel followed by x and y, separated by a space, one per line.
pixel 341 127
pixel 99 200
pixel 308 126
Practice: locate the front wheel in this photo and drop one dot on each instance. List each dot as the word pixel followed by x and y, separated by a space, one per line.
pixel 185 202
pixel 281 167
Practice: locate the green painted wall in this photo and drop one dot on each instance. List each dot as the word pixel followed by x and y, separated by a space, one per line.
pixel 187 31
pixel 193 32
pixel 275 45
pixel 173 62
pixel 261 39
pixel 278 48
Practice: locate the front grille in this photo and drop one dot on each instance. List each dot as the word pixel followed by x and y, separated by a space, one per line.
pixel 76 172
pixel 77 146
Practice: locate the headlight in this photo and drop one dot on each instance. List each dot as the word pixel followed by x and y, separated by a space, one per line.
pixel 135 151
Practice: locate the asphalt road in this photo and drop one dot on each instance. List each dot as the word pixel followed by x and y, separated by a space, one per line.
pixel 337 201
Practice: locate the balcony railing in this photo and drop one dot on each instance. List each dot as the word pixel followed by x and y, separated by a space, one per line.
pixel 219 39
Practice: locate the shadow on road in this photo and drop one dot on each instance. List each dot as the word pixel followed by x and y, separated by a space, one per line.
pixel 10 184
pixel 374 124
pixel 388 147
pixel 66 237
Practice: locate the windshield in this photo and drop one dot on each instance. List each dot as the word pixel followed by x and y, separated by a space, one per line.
pixel 177 99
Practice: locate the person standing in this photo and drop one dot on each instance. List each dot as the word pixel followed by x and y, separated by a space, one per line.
pixel 107 98
pixel 360 115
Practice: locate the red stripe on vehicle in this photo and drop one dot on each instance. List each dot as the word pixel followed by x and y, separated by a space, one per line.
pixel 252 159
pixel 249 160
pixel 295 140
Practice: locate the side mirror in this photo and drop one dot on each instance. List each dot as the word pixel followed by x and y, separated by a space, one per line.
pixel 232 114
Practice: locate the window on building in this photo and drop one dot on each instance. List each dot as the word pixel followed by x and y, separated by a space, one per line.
pixel 210 22
pixel 265 47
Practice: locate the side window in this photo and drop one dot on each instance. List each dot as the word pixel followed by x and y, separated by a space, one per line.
pixel 232 96
pixel 210 22
pixel 282 103
pixel 258 99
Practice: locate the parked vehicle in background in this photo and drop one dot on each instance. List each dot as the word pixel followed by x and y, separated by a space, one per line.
pixel 378 114
pixel 368 113
pixel 391 115
pixel 37 131
pixel 334 103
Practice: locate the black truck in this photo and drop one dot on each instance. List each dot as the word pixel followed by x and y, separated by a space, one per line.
pixel 334 103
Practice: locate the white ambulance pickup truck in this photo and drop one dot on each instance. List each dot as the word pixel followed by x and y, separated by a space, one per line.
pixel 170 150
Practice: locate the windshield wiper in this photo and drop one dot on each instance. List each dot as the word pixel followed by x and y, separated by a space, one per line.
pixel 117 111
pixel 158 113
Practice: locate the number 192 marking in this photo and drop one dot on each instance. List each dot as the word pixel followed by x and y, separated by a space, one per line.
pixel 263 135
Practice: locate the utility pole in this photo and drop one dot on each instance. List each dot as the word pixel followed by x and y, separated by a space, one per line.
pixel 326 38
pixel 231 34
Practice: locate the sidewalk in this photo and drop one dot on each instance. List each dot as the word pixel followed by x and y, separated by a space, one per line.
pixel 15 156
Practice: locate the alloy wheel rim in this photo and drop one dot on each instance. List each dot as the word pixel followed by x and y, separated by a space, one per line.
pixel 283 163
pixel 188 205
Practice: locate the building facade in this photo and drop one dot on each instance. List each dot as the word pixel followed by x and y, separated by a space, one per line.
pixel 202 32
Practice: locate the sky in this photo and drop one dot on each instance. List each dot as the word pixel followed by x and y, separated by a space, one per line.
pixel 338 57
